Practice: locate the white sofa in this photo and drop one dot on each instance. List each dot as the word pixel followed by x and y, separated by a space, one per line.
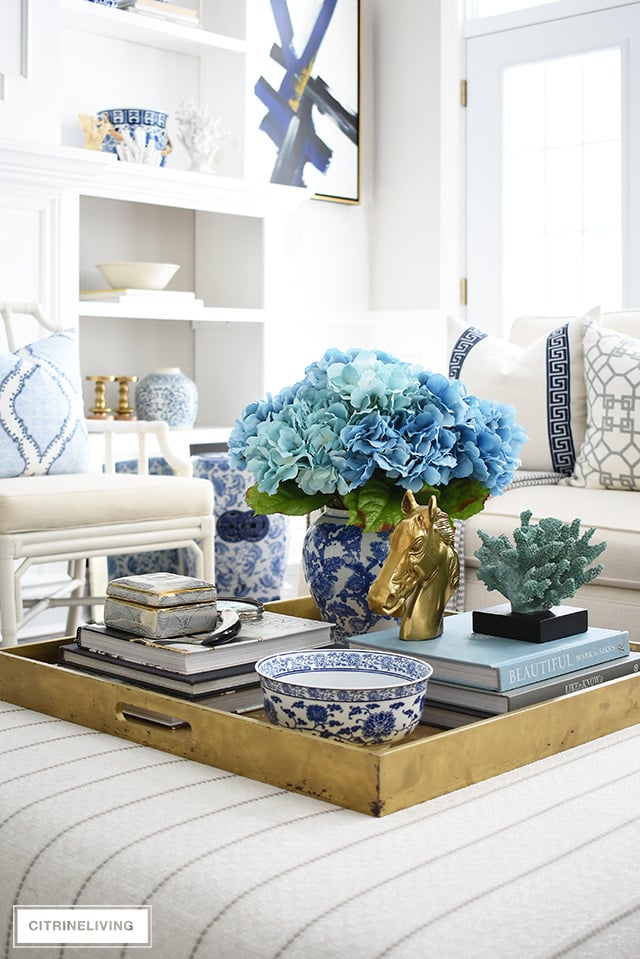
pixel 595 426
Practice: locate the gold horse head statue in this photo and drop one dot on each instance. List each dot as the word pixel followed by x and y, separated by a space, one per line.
pixel 421 572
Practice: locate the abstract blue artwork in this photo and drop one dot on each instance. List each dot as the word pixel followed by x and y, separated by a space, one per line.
pixel 312 96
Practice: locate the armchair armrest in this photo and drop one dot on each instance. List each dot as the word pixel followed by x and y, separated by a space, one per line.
pixel 111 430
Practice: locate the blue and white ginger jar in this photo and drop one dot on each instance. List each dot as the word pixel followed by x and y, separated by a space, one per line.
pixel 251 550
pixel 167 394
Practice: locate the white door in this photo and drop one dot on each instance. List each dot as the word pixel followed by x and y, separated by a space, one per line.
pixel 553 167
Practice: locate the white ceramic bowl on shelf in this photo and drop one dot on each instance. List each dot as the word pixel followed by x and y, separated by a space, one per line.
pixel 137 275
pixel 352 695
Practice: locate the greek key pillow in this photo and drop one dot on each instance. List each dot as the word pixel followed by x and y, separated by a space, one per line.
pixel 42 427
pixel 544 382
pixel 609 457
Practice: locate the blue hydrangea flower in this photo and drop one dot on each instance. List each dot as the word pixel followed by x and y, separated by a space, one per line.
pixel 360 415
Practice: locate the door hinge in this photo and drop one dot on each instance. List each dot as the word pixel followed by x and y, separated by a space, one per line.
pixel 463 291
pixel 463 93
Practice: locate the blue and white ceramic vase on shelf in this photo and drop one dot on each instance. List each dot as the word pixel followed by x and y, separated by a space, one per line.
pixel 167 394
pixel 340 562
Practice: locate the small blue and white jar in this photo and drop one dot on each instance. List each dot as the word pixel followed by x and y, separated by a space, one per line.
pixel 167 394
pixel 106 3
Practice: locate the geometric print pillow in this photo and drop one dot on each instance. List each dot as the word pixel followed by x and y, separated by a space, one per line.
pixel 42 426
pixel 544 382
pixel 610 454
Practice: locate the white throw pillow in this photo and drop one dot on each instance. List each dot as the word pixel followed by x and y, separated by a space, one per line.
pixel 526 329
pixel 543 381
pixel 42 426
pixel 609 457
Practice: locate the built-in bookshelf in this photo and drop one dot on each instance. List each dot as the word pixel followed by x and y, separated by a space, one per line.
pixel 80 207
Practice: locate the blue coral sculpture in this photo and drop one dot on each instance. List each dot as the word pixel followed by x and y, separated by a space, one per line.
pixel 547 564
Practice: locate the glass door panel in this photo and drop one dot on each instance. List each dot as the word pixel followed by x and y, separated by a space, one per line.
pixel 561 204
pixel 553 161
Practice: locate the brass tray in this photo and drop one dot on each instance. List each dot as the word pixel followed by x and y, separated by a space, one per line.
pixel 377 780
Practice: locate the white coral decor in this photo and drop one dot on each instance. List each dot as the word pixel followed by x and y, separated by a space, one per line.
pixel 135 148
pixel 202 135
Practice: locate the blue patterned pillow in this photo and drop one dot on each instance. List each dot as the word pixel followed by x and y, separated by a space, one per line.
pixel 42 427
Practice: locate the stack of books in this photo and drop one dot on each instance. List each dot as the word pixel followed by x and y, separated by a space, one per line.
pixel 476 676
pixel 220 676
pixel 129 296
pixel 159 8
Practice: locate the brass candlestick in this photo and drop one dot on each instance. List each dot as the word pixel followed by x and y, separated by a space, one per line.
pixel 100 411
pixel 124 411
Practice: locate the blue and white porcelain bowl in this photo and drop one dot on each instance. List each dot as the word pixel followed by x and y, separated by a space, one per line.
pixel 352 695
pixel 152 123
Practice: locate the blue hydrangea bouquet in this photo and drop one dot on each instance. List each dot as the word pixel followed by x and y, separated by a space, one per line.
pixel 361 429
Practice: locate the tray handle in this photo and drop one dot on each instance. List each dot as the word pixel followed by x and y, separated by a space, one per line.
pixel 140 715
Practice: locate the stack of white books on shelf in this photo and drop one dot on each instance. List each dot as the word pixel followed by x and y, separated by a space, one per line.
pixel 170 11
pixel 476 676
pixel 221 676
pixel 130 296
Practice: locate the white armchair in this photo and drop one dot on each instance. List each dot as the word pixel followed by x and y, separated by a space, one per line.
pixel 53 506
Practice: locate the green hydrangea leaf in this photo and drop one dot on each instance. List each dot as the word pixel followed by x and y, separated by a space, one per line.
pixel 375 506
pixel 462 498
pixel 289 500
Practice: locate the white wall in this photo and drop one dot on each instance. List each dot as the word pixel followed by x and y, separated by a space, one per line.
pixel 405 225
pixel 345 275
pixel 319 257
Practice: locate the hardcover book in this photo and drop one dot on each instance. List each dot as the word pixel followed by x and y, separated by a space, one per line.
pixel 170 11
pixel 449 717
pixel 187 686
pixel 491 702
pixel 492 662
pixel 127 294
pixel 236 700
pixel 272 633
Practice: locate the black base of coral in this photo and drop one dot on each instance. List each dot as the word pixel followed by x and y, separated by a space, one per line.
pixel 554 623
